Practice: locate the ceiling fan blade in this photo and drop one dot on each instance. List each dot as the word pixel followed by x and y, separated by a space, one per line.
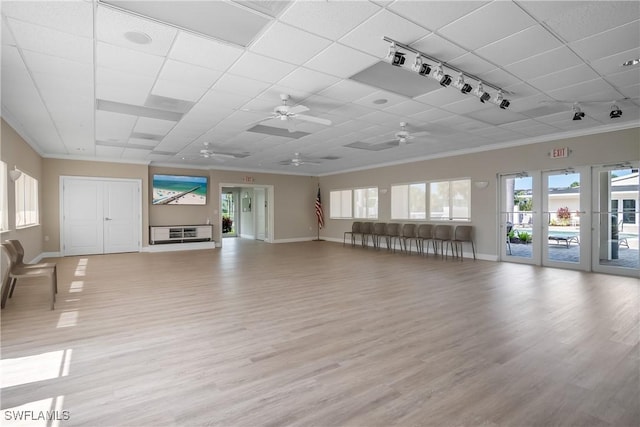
pixel 313 119
pixel 421 133
pixel 291 125
pixel 271 117
pixel 298 109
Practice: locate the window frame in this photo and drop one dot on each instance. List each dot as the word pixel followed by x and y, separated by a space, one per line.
pixel 354 210
pixel 4 197
pixel 408 211
pixel 341 198
pixel 450 202
pixel 29 193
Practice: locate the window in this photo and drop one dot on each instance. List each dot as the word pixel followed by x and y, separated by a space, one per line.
pixel 4 215
pixel 629 211
pixel 450 200
pixel 365 203
pixel 26 201
pixel 408 201
pixel 340 204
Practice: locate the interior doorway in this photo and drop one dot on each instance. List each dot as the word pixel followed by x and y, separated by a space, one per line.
pixel 229 209
pixel 246 212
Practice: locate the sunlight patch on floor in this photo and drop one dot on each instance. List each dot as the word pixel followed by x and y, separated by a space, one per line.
pixel 67 319
pixel 40 367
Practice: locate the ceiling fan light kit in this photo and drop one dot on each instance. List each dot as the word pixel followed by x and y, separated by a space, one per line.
pixel 288 114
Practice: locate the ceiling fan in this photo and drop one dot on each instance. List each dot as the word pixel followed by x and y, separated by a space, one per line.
pixel 288 114
pixel 404 137
pixel 208 153
pixel 297 160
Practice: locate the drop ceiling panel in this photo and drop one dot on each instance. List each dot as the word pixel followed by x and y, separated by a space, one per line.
pixel 368 36
pixel 193 74
pixel 331 19
pixel 472 64
pixel 52 42
pixel 308 80
pixel 109 152
pixel 438 47
pixel 153 126
pixel 624 78
pixel 442 96
pixel 7 37
pixel 564 78
pixel 114 127
pixel 127 60
pixel 466 105
pixel 496 116
pixel 342 61
pixel 179 90
pixel 53 66
pixel 347 91
pixel 613 64
pixel 383 118
pixel 66 16
pixel 580 19
pixel 240 85
pixel 261 68
pixel 545 63
pixel 122 87
pixel 396 79
pixel 435 14
pixel 112 25
pixel 407 108
pixel 519 46
pixel 429 115
pixel 594 90
pixel 217 19
pixel 610 42
pixel 289 44
pixel 487 24
pixel 375 100
pixel 204 52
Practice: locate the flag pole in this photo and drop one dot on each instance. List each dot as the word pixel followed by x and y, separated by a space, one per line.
pixel 319 215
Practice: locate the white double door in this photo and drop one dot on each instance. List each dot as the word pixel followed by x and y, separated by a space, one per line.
pixel 100 216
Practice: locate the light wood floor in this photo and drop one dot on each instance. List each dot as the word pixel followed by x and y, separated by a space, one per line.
pixel 314 334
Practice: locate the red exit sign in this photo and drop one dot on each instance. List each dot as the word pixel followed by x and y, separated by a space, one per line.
pixel 558 153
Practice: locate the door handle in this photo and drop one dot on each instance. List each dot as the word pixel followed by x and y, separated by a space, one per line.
pixel 107 219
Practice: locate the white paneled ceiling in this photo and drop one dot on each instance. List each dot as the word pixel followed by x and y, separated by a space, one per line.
pixel 152 81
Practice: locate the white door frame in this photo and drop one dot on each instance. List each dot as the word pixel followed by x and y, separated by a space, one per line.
pixel 596 212
pixel 61 182
pixel 535 214
pixel 585 220
pixel 269 235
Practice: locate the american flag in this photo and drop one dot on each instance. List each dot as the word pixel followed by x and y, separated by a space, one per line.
pixel 319 213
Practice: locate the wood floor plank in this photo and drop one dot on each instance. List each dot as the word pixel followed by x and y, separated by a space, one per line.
pixel 315 333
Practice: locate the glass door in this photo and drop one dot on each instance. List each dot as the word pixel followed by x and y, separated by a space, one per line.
pixel 564 244
pixel 518 218
pixel 615 206
pixel 229 213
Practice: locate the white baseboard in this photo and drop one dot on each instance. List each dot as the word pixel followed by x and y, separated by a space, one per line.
pixel 247 236
pixel 484 257
pixel 170 247
pixel 44 255
pixel 295 240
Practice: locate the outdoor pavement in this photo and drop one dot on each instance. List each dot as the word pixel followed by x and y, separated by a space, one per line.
pixel 627 257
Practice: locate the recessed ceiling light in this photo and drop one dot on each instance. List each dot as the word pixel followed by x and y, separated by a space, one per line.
pixel 380 101
pixel 631 62
pixel 137 37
